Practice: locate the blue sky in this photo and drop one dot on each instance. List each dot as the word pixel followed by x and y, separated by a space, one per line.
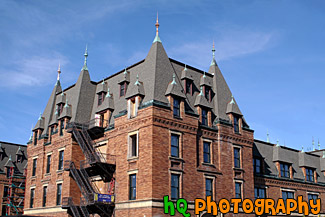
pixel 272 54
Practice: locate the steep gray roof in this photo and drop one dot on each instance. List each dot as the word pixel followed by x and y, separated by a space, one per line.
pixel 11 149
pixel 272 153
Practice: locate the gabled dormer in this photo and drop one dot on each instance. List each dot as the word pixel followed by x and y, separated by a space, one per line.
pixel 124 82
pixel 19 155
pixel 60 102
pixel 234 115
pixel 101 92
pixel 176 96
pixel 187 78
pixel 105 110
pixel 134 97
pixel 64 117
pixel 38 129
pixel 203 108
pixel 206 84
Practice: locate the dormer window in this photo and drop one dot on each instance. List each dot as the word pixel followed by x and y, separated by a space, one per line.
pixel 132 108
pixel 309 175
pixel 207 93
pixel 60 108
pixel 176 107
pixel 204 117
pixel 189 86
pixel 236 124
pixel 19 158
pixel 122 89
pixel 285 170
pixel 35 137
pixel 100 98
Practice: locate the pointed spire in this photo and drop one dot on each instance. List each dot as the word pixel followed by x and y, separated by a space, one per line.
pixel 157 39
pixel 137 81
pixel 59 72
pixel 267 136
pixel 174 81
pixel 85 61
pixel 213 62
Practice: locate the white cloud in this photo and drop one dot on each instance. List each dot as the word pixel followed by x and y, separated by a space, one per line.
pixel 229 45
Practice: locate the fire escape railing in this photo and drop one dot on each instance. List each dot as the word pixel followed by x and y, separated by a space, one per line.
pixel 74 209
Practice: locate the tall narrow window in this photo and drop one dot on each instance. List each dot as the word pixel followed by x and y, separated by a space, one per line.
pixel 285 170
pixel 188 86
pixel 133 187
pixel 48 164
pixel 5 191
pixel 259 192
pixel 208 187
pixel 60 109
pixel 61 156
pixel 100 98
pixel 237 157
pixel 207 93
pixel 122 89
pixel 34 167
pixel 204 117
pixel 8 171
pixel 236 124
pixel 44 195
pixel 174 145
pixel 58 194
pixel 35 137
pixel 287 195
pixel 51 133
pixel 62 127
pixel 257 165
pixel 133 145
pixel 32 195
pixel 133 108
pixel 309 175
pixel 176 106
pixel 174 186
pixel 4 210
pixel 238 190
pixel 206 152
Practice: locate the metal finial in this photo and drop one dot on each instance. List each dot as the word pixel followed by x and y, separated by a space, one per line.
pixel 277 143
pixel 204 74
pixel 201 91
pixel 40 116
pixel 103 82
pixel 174 79
pixel 59 72
pixel 213 62
pixel 85 61
pixel 313 144
pixel 108 94
pixel 318 145
pixel 66 103
pixel 157 39
pixel 267 136
pixel 232 100
pixel 302 149
pixel 185 68
pixel 9 158
pixel 137 81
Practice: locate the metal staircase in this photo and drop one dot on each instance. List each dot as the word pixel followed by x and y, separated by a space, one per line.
pixel 95 165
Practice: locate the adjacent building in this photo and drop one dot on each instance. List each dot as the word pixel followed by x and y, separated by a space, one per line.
pixel 13 162
pixel 159 127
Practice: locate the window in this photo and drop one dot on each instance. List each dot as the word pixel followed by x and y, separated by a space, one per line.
pixel 44 195
pixel 122 89
pixel 257 165
pixel 236 124
pixel 208 187
pixel 238 190
pixel 174 186
pixel 4 210
pixel 287 194
pixel 207 93
pixel 313 197
pixel 8 170
pixel 5 191
pixel 176 105
pixel 34 167
pixel 62 127
pixel 174 145
pixel 48 164
pixel 60 109
pixel 188 84
pixel 204 116
pixel 61 156
pixel 133 145
pixel 19 158
pixel 133 108
pixel 58 194
pixel 237 157
pixel 32 195
pixel 206 152
pixel 133 186
pixel 259 192
pixel 35 137
pixel 284 168
pixel 100 98
pixel 309 175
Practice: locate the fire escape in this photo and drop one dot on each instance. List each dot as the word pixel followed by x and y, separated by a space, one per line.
pixel 16 192
pixel 96 165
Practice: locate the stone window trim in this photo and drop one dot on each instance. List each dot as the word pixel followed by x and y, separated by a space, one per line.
pixel 180 187
pixel 101 143
pixel 213 178
pixel 312 192
pixel 287 189
pixel 211 151
pixel 180 144
pixel 133 107
pixel 242 187
pixel 130 172
pixel 130 157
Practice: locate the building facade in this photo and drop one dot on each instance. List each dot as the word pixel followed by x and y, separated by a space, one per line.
pixel 156 128
pixel 13 163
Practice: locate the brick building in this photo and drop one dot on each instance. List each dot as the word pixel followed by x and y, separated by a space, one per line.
pixel 13 162
pixel 156 128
